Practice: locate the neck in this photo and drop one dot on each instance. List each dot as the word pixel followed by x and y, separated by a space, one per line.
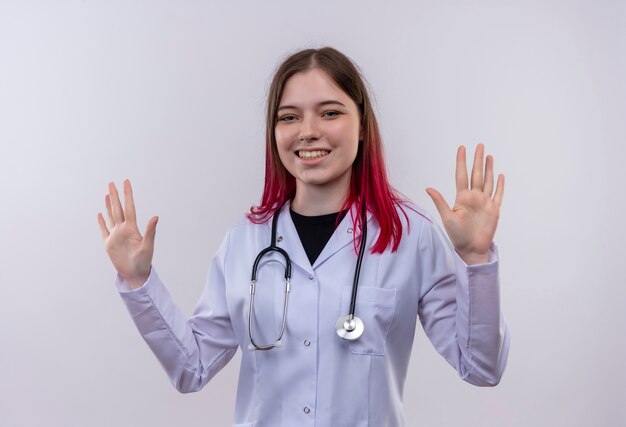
pixel 313 200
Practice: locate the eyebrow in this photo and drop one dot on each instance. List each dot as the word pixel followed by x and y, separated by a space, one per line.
pixel 329 102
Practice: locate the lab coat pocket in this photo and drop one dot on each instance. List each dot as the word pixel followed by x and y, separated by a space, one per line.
pixel 376 308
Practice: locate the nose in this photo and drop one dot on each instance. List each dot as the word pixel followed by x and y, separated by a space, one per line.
pixel 309 130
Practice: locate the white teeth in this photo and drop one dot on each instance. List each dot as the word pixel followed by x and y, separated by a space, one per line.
pixel 312 154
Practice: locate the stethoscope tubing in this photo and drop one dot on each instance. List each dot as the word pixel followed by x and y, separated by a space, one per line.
pixel 359 261
pixel 271 248
pixel 348 327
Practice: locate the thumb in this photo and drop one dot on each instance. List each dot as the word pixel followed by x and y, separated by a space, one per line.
pixel 439 202
pixel 148 238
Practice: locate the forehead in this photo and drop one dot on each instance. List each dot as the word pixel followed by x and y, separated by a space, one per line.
pixel 311 88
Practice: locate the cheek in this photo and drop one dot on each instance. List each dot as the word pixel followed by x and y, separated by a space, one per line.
pixel 349 136
pixel 347 130
pixel 283 138
pixel 283 147
pixel 280 141
pixel 354 147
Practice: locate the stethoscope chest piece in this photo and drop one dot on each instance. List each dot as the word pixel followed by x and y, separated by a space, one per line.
pixel 349 327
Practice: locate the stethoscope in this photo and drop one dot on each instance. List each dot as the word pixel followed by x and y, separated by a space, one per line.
pixel 348 327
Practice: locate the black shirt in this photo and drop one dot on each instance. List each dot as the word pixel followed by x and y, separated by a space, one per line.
pixel 315 231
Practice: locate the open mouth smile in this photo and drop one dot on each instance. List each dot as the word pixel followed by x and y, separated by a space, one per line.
pixel 316 154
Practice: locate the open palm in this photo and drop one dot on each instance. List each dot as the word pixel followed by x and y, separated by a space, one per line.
pixel 130 253
pixel 471 223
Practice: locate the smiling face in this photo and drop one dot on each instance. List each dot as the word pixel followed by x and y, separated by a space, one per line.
pixel 317 132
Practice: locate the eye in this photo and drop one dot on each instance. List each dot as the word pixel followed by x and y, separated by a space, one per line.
pixel 331 114
pixel 287 118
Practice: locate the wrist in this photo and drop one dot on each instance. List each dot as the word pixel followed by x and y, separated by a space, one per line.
pixel 473 258
pixel 137 281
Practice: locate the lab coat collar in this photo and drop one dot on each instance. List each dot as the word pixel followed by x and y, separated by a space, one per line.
pixel 290 241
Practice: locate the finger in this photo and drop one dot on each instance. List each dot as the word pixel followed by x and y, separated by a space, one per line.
pixel 499 190
pixel 103 227
pixel 440 202
pixel 116 206
pixel 129 203
pixel 148 238
pixel 461 170
pixel 107 203
pixel 477 168
pixel 488 187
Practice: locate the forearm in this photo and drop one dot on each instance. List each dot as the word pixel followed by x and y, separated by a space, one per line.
pixel 170 336
pixel 483 335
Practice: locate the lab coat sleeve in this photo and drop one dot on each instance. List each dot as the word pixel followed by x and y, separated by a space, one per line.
pixel 460 311
pixel 191 351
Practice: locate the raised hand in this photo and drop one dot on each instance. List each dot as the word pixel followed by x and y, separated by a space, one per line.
pixel 471 223
pixel 130 253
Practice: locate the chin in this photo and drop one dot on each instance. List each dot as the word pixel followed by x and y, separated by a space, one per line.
pixel 320 181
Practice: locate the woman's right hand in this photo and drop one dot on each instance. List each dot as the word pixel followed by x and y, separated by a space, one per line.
pixel 130 253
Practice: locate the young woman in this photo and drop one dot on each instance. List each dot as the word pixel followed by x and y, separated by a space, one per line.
pixel 360 265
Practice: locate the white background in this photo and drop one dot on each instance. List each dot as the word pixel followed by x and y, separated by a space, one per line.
pixel 171 95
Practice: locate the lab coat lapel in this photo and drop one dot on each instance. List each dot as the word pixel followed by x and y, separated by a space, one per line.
pixel 343 235
pixel 288 239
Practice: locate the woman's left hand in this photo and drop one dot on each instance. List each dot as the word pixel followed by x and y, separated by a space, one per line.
pixel 471 223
